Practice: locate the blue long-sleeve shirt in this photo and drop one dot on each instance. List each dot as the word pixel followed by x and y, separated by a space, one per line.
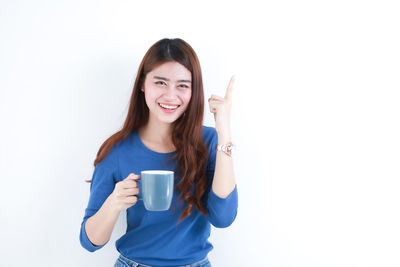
pixel 156 237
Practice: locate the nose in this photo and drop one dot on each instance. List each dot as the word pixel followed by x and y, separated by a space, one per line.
pixel 170 92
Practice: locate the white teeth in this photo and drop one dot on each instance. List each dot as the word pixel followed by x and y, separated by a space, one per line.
pixel 168 107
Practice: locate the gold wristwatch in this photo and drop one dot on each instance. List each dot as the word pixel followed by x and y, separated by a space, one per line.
pixel 227 148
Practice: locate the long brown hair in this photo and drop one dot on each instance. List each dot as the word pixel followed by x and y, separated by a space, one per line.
pixel 191 153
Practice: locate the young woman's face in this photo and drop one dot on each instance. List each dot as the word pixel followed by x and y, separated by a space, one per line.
pixel 168 89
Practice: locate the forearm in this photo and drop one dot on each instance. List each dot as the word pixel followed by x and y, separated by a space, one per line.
pixel 224 179
pixel 99 227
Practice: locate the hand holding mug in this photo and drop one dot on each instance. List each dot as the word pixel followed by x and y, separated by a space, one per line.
pixel 124 194
pixel 157 190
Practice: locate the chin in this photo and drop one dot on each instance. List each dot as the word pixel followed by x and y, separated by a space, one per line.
pixel 169 120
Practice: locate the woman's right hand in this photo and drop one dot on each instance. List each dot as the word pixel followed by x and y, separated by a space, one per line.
pixel 124 194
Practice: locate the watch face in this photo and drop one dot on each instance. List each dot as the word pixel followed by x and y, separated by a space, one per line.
pixel 227 148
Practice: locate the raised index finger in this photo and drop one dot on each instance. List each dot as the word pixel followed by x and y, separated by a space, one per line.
pixel 228 94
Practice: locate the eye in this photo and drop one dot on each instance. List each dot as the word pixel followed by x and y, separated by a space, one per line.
pixel 160 83
pixel 184 86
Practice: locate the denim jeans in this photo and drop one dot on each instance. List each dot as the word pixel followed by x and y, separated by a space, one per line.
pixel 125 262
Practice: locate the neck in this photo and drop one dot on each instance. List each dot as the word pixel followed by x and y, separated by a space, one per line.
pixel 157 132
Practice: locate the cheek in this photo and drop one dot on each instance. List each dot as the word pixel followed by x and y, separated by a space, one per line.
pixel 186 97
pixel 151 95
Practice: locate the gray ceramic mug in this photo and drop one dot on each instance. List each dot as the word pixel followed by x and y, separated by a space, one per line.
pixel 157 189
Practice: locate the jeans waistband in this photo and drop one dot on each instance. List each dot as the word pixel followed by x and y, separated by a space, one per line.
pixel 137 264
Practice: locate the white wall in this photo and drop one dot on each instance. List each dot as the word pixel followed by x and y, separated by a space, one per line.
pixel 315 119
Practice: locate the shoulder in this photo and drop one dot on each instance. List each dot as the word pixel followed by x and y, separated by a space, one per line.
pixel 112 158
pixel 209 135
pixel 210 138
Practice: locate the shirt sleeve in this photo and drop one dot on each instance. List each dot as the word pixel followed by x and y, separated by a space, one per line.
pixel 102 185
pixel 221 211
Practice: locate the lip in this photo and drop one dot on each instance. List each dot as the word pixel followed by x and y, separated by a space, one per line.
pixel 168 111
pixel 168 104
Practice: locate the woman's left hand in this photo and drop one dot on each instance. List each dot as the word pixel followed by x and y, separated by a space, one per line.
pixel 221 108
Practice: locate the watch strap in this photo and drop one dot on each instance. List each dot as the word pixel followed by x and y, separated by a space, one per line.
pixel 226 148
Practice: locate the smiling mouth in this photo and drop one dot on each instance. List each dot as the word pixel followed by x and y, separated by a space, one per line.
pixel 169 107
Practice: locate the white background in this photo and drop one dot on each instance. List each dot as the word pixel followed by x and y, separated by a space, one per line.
pixel 315 118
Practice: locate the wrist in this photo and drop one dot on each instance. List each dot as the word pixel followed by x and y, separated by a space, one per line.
pixel 224 137
pixel 224 140
pixel 112 204
pixel 225 148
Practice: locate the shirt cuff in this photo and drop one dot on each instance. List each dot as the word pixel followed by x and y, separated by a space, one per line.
pixel 222 211
pixel 215 197
pixel 85 242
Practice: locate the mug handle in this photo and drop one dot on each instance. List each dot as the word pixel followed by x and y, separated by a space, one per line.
pixel 139 181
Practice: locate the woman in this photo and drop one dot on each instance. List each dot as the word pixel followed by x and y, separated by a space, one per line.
pixel 164 131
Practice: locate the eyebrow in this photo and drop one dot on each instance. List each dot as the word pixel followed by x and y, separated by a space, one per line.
pixel 165 79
